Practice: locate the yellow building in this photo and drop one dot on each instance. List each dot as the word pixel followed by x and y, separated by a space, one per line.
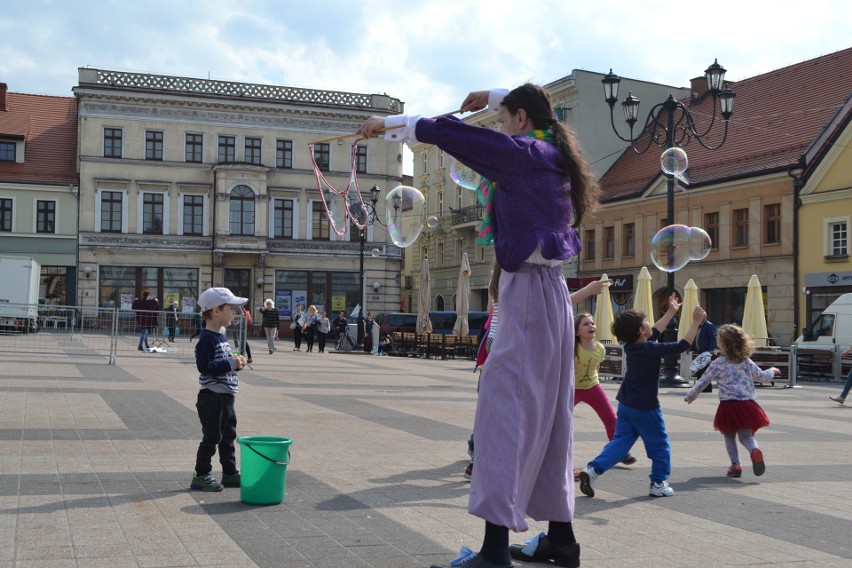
pixel 187 183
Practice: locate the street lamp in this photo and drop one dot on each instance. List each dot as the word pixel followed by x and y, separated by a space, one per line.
pixel 670 124
pixel 370 218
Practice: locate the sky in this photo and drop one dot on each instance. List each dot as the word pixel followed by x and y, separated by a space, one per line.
pixel 427 53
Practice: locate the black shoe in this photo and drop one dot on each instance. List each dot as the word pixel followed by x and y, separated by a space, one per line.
pixel 140 348
pixel 567 555
pixel 628 460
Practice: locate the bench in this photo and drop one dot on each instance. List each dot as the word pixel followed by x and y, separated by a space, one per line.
pixel 612 367
pixel 766 357
pixel 815 363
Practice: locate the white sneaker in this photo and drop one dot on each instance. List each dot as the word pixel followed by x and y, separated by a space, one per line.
pixel 587 481
pixel 838 399
pixel 661 489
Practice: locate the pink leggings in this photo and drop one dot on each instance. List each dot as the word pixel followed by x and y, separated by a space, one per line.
pixel 597 399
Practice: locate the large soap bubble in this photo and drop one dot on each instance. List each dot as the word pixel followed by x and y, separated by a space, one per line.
pixel 464 176
pixel 336 208
pixel 670 248
pixel 405 213
pixel 674 161
pixel 699 243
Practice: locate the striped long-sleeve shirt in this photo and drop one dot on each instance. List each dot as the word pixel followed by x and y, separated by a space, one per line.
pixel 216 364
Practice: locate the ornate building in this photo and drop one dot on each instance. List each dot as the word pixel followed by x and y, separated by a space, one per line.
pixel 187 183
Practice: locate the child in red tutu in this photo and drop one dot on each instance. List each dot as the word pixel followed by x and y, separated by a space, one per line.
pixel 738 414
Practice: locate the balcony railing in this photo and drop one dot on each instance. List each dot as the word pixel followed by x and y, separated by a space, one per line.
pixel 467 214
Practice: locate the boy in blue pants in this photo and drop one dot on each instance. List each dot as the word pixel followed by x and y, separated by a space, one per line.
pixel 639 414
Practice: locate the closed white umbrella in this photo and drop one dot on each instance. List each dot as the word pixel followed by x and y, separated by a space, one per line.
pixel 603 314
pixel 424 299
pixel 690 300
pixel 462 327
pixel 754 316
pixel 643 299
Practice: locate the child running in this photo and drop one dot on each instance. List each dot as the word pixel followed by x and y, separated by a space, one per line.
pixel 738 414
pixel 588 355
pixel 639 413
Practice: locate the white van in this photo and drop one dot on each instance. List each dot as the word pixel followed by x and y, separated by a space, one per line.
pixel 832 330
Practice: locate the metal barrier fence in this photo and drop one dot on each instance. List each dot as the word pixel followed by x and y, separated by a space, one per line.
pixel 104 332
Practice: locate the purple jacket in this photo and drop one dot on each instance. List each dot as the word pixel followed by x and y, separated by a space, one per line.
pixel 532 203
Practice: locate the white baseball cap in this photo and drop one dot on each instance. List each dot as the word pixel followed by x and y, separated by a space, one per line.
pixel 213 297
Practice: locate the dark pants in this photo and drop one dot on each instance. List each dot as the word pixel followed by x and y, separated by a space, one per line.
pixel 218 430
pixel 321 341
pixel 171 333
pixel 297 337
pixel 309 336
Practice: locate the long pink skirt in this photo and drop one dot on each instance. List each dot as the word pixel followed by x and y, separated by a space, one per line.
pixel 523 427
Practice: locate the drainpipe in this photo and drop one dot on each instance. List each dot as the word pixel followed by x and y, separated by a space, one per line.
pixel 213 229
pixel 796 172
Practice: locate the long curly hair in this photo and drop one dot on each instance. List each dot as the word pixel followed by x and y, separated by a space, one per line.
pixel 736 344
pixel 584 187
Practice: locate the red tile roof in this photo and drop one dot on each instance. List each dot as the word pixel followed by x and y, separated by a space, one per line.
pixel 49 125
pixel 776 117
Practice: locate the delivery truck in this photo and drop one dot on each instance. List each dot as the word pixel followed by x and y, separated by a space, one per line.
pixel 832 330
pixel 19 287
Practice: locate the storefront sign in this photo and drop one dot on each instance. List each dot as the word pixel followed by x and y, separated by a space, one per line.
pixel 283 303
pixel 828 279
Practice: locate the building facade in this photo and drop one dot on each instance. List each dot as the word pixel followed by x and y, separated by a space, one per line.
pixel 744 195
pixel 39 188
pixel 189 183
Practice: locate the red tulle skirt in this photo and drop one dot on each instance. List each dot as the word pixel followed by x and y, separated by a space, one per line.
pixel 734 415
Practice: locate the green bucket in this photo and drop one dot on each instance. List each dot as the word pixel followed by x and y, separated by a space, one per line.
pixel 263 469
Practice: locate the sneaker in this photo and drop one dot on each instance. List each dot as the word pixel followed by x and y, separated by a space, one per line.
pixel 660 489
pixel 736 470
pixel 468 471
pixel 838 399
pixel 757 462
pixel 628 460
pixel 587 481
pixel 232 480
pixel 205 483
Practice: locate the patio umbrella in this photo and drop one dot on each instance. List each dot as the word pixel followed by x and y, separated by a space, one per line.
pixel 462 327
pixel 754 318
pixel 603 314
pixel 643 299
pixel 690 300
pixel 424 299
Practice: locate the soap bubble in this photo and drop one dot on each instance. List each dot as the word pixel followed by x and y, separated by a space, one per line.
pixel 375 252
pixel 699 243
pixel 335 206
pixel 358 212
pixel 464 176
pixel 432 221
pixel 674 161
pixel 670 248
pixel 405 212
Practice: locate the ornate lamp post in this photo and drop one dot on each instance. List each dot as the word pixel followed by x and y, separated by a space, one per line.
pixel 670 124
pixel 362 236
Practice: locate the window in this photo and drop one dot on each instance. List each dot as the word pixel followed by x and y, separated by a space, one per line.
pixel 227 149
pixel 609 242
pixel 319 222
pixel 425 161
pixel 726 304
pixel 628 235
pixel 6 214
pixel 154 145
pixel 7 151
pixel 664 222
pixel 118 285
pixel 590 244
pixel 282 225
pixel 284 154
pixel 111 203
pixel 112 142
pixel 772 214
pixel 152 213
pixel 440 211
pixel 322 155
pixel 740 227
pixel 45 216
pixel 194 148
pixel 241 213
pixel 440 252
pixel 361 160
pixel 252 155
pixel 193 215
pixel 711 225
pixel 838 238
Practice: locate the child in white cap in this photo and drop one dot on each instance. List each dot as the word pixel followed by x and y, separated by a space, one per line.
pixel 218 384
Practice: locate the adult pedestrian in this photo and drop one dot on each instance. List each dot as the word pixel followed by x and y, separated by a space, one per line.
pixel 296 326
pixel 323 327
pixel 270 323
pixel 309 328
pixel 172 313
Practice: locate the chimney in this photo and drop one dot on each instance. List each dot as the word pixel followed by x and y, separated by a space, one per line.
pixel 3 88
pixel 699 87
